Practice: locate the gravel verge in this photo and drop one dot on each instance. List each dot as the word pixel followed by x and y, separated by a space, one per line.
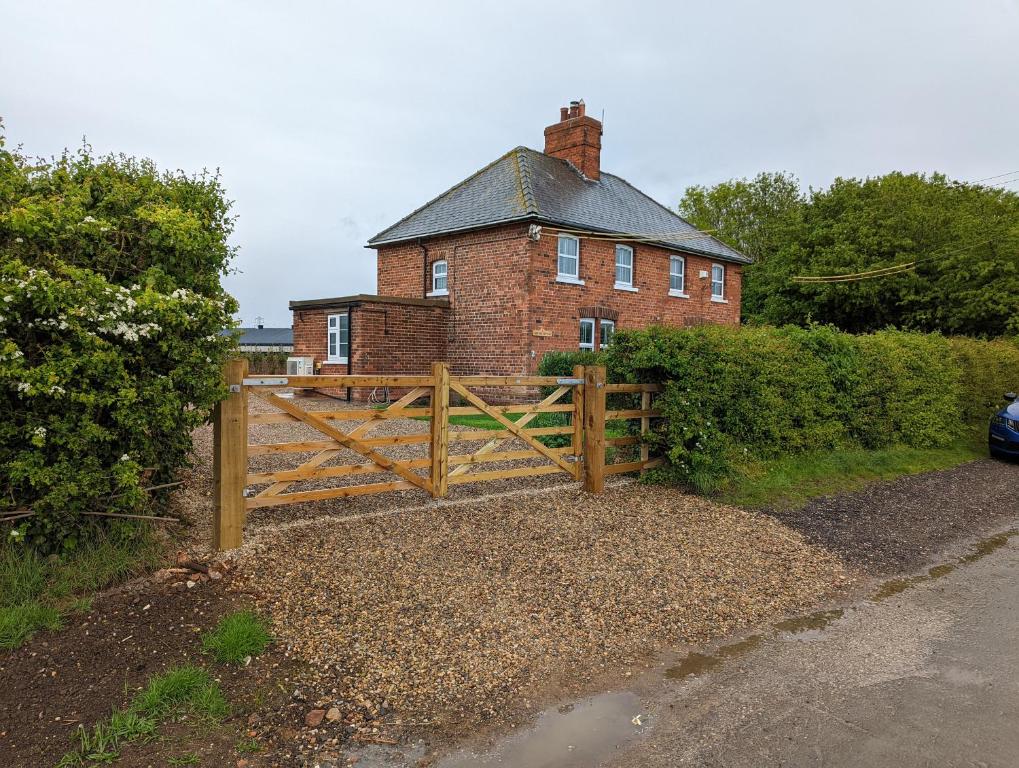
pixel 454 618
pixel 900 525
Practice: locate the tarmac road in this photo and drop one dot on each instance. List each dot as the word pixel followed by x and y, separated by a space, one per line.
pixel 927 675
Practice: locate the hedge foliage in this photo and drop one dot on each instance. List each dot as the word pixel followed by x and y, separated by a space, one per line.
pixel 763 392
pixel 110 353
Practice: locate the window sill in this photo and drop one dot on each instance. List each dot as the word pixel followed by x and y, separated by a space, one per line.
pixel 626 287
pixel 336 361
pixel 568 280
pixel 436 294
pixel 719 300
pixel 679 294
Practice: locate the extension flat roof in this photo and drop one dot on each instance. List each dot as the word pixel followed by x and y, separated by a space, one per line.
pixel 365 298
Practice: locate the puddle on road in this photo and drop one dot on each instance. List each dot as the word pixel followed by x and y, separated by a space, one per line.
pixel 978 551
pixel 698 663
pixel 567 737
pixel 812 625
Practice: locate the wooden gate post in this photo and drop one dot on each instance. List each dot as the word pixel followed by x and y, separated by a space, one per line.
pixel 645 428
pixel 230 459
pixel 578 417
pixel 594 428
pixel 440 430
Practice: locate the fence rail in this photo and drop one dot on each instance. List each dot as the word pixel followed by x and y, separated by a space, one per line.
pixel 583 458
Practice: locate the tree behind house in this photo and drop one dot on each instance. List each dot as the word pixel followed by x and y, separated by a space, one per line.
pixel 965 238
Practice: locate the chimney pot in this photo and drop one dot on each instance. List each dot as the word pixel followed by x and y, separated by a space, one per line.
pixel 564 114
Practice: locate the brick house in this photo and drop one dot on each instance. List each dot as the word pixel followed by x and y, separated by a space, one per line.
pixel 537 251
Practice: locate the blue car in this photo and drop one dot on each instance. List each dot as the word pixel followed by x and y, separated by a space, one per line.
pixel 1003 434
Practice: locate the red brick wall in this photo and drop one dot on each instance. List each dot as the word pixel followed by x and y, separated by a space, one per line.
pixel 502 288
pixel 487 278
pixel 385 339
pixel 556 306
pixel 399 271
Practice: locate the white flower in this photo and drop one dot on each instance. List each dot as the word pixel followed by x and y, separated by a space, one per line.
pixel 23 387
pixel 19 240
pixel 40 432
pixel 125 457
pixel 88 220
pixel 8 299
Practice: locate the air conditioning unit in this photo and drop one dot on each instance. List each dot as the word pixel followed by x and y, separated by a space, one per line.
pixel 300 366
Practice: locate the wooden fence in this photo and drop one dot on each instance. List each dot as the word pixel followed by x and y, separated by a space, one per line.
pixel 583 457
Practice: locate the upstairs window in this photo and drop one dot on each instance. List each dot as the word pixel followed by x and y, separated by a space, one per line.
pixel 717 282
pixel 338 339
pixel 608 330
pixel 587 333
pixel 569 258
pixel 677 275
pixel 624 266
pixel 440 282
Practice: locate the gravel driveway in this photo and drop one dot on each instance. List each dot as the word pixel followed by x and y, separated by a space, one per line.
pixel 464 615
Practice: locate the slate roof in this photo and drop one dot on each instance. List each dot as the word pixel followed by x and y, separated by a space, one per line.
pixel 250 337
pixel 526 185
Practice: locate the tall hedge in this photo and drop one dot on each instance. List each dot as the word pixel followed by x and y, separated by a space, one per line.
pixel 110 353
pixel 734 393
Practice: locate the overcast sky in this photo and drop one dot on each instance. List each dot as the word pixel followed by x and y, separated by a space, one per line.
pixel 330 121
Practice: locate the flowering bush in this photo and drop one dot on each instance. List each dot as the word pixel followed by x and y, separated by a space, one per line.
pixel 110 352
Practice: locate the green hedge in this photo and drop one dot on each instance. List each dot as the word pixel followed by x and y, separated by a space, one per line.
pixel 761 392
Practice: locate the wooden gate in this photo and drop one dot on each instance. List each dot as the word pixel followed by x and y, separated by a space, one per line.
pixel 579 402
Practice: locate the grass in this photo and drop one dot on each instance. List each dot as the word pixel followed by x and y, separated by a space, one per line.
pixel 178 691
pixel 791 481
pixel 236 637
pixel 478 420
pixel 248 746
pixel 37 592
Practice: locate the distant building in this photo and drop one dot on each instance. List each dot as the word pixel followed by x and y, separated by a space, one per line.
pixel 262 339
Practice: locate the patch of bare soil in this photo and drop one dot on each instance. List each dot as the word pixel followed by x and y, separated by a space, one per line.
pixel 60 680
pixel 442 621
pixel 901 525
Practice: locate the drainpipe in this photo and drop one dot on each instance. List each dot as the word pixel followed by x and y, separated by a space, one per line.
pixel 350 347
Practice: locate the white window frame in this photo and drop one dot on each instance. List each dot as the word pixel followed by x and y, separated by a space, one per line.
pixel 444 291
pixel 588 321
pixel 681 274
pixel 624 285
pixel 720 296
pixel 336 327
pixel 565 277
pixel 611 325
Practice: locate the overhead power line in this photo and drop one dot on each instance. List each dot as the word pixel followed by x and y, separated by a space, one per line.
pixel 998 176
pixel 872 274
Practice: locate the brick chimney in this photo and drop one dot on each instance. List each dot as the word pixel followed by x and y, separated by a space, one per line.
pixel 577 138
